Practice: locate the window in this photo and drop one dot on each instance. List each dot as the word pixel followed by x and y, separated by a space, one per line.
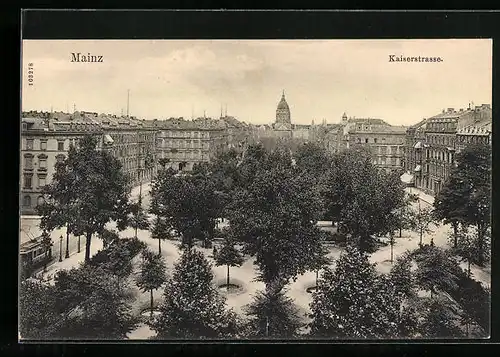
pixel 42 164
pixel 60 145
pixel 28 162
pixel 42 180
pixel 27 181
pixel 43 145
pixel 29 144
pixel 26 201
pixel 375 140
pixel 40 201
pixel 366 140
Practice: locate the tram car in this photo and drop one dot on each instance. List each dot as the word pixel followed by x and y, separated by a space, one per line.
pixel 33 255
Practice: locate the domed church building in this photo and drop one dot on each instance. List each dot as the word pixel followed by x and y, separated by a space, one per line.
pixel 283 125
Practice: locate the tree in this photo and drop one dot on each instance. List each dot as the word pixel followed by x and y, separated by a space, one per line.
pixel 274 217
pixel 119 263
pixel 273 315
pixel 441 320
pixel 37 310
pixel 230 256
pixel 437 270
pixel 98 190
pixel 58 210
pixel 405 214
pixel 362 198
pixel 109 237
pixel 138 219
pixel 160 230
pixel 92 306
pixel 187 203
pixel 312 158
pixel 467 246
pixel 403 278
pixel 423 219
pixel 152 273
pixel 192 307
pixel 354 301
pixel 408 325
pixel 451 202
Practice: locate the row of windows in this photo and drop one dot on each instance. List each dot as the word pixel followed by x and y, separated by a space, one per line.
pixel 440 155
pixel 450 126
pixel 387 161
pixel 440 171
pixel 184 144
pixel 32 144
pixel 187 134
pixel 383 140
pixel 27 201
pixel 42 161
pixel 185 155
pixel 476 139
pixel 441 139
pixel 28 180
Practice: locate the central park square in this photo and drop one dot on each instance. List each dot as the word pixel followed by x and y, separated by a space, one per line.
pixel 244 276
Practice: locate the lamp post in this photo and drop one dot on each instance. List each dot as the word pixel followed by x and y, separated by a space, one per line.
pixel 60 248
pixel 78 244
pixel 67 243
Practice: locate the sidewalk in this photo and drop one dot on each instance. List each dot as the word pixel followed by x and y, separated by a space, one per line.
pixel 421 194
pixel 72 262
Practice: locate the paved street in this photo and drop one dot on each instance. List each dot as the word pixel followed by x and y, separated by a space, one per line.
pixel 30 228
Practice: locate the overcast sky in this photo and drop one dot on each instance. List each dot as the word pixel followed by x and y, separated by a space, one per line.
pixel 321 79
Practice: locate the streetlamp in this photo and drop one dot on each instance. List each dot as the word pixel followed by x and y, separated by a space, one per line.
pixel 60 248
pixel 67 243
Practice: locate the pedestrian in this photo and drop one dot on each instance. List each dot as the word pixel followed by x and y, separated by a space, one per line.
pixel 214 253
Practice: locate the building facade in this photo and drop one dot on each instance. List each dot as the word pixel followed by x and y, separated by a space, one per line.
pixel 45 141
pixel 385 141
pixel 432 144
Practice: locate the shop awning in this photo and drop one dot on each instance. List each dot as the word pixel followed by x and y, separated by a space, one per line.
pixel 407 178
pixel 418 168
pixel 418 145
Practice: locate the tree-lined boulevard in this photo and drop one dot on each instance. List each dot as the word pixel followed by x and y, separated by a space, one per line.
pixel 381 268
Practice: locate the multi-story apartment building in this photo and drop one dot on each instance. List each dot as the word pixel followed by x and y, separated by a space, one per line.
pixel 475 133
pixel 333 138
pixel 414 145
pixel 44 141
pixel 432 144
pixel 47 137
pixel 187 142
pixel 386 141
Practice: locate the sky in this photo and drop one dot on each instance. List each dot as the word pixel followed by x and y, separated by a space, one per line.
pixel 322 79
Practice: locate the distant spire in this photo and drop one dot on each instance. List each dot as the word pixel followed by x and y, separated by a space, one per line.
pixel 226 109
pixel 283 95
pixel 128 101
pixel 221 110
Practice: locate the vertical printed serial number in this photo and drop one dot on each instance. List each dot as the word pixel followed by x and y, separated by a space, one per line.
pixel 30 74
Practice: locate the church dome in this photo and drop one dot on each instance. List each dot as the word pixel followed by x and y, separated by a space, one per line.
pixel 283 111
pixel 283 104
